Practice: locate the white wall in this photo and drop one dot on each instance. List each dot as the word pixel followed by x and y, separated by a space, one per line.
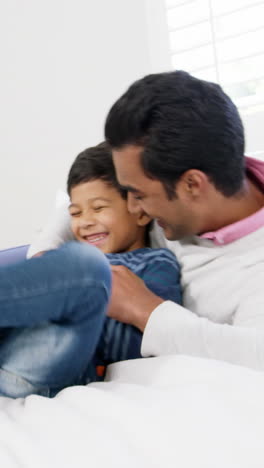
pixel 254 124
pixel 63 63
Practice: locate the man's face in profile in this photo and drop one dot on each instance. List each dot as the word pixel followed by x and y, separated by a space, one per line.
pixel 175 215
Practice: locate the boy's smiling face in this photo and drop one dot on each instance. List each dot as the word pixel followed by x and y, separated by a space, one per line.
pixel 100 217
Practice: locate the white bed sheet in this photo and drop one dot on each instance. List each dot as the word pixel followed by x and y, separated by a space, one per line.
pixel 171 411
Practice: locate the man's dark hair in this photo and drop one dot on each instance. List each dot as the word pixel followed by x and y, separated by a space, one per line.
pixel 94 163
pixel 182 123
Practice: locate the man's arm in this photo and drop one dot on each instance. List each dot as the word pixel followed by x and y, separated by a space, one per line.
pixel 132 302
pixel 171 329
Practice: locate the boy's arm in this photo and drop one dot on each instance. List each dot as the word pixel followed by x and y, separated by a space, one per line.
pixel 55 233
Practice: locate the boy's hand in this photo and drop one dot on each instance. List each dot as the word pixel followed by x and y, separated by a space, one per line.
pixel 131 302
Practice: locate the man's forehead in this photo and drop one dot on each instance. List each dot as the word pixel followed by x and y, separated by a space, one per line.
pixel 127 166
pixel 129 155
pixel 129 171
pixel 129 150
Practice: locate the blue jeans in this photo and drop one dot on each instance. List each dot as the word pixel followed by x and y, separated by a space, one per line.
pixel 48 307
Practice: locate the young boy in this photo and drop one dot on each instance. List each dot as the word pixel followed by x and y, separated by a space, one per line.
pixel 100 217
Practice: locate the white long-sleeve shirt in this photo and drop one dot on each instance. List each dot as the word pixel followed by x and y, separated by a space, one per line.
pixel 223 293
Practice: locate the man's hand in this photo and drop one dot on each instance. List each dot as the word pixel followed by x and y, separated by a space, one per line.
pixel 132 302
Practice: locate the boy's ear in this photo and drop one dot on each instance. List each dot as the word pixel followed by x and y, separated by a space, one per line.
pixel 142 218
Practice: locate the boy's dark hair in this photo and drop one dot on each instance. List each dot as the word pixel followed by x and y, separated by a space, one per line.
pixel 182 123
pixel 94 163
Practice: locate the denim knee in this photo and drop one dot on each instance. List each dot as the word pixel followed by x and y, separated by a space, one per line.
pixel 87 261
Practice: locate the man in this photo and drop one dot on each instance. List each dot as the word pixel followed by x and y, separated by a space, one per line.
pixel 178 148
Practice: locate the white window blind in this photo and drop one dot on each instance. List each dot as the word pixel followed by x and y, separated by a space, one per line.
pixel 221 41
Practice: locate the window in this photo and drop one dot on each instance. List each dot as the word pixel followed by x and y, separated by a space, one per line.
pixel 221 41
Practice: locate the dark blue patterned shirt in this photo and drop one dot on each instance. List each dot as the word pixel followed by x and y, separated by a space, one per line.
pixel 160 271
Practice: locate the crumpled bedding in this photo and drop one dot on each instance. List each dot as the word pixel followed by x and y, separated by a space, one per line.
pixel 164 412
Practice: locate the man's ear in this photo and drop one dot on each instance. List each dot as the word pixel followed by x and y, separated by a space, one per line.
pixel 142 218
pixel 193 183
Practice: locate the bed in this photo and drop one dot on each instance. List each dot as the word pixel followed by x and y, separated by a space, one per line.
pixel 162 412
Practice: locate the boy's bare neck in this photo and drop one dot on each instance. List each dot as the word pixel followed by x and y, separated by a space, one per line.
pixel 139 243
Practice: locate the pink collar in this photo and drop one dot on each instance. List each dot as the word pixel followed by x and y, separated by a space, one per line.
pixel 241 228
